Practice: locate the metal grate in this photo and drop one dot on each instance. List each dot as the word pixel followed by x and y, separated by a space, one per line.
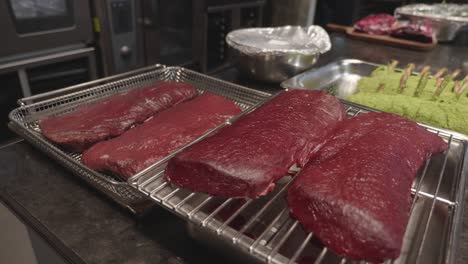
pixel 262 228
pixel 24 120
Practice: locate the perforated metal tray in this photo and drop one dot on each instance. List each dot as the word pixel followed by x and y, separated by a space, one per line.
pixel 261 230
pixel 24 119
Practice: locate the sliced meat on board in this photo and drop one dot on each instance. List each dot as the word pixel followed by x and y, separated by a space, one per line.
pixel 82 128
pixel 380 24
pixel 246 158
pixel 166 132
pixel 354 195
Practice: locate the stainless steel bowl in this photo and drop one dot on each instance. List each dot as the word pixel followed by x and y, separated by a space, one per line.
pixel 274 67
pixel 446 19
pixel 276 54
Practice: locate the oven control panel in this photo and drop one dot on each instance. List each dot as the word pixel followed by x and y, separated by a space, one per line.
pixel 123 33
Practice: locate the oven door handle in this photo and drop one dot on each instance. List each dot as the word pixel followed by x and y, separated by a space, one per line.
pixel 83 86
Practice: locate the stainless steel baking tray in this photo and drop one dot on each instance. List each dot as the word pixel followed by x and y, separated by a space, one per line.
pixel 261 230
pixel 24 120
pixel 341 79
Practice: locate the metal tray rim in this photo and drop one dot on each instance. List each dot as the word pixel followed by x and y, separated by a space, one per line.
pixel 457 222
pixel 87 88
pixel 287 85
pixel 451 238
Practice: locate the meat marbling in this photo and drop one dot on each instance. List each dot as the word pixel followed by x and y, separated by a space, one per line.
pixel 145 144
pixel 82 128
pixel 354 195
pixel 244 159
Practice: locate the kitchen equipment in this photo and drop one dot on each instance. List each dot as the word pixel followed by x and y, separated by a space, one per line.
pixel 446 19
pixel 261 230
pixel 275 54
pixel 344 81
pixel 118 36
pixel 40 27
pixel 219 17
pixel 340 77
pixel 24 120
pixel 383 39
pixel 39 74
pixel 131 34
pixel 191 33
pixel 45 48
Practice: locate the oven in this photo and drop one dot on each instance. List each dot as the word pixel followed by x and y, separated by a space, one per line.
pixel 167 31
pixel 189 33
pixel 192 33
pixel 35 27
pixel 118 37
pixel 47 46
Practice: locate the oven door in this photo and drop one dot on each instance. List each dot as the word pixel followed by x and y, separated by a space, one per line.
pixel 168 31
pixel 34 25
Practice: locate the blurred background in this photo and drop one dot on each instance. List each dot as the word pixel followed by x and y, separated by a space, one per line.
pixel 348 12
pixel 57 43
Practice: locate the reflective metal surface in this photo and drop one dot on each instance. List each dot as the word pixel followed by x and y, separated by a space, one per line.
pixel 24 120
pixel 446 19
pixel 341 79
pixel 261 230
pixel 275 54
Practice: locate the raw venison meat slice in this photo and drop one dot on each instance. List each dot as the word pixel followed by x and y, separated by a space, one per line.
pixel 148 143
pixel 86 126
pixel 380 24
pixel 244 159
pixel 354 195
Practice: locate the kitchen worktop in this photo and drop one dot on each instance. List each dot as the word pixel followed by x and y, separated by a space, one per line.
pixel 86 227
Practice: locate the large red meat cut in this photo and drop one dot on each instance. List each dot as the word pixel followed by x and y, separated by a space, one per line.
pixel 82 128
pixel 148 143
pixel 380 24
pixel 244 159
pixel 354 195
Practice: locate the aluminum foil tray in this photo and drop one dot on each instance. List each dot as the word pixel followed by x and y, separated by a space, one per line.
pixel 24 119
pixel 287 39
pixel 277 53
pixel 261 230
pixel 446 19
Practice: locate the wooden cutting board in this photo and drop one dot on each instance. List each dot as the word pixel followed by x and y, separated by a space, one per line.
pixel 387 40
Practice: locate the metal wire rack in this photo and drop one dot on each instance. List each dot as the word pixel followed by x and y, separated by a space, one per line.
pixel 263 231
pixel 25 119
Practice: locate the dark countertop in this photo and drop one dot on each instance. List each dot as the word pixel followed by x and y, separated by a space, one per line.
pixel 86 227
pixel 83 225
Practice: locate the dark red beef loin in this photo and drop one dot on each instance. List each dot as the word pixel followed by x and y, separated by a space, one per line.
pixel 148 143
pixel 380 24
pixel 354 195
pixel 84 127
pixel 244 159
